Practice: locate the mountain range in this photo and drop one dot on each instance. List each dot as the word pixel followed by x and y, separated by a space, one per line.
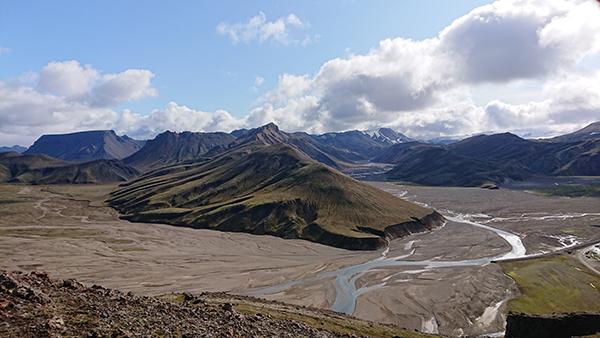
pixel 261 184
pixel 493 159
pixel 15 148
pixel 473 161
pixel 171 148
pixel 43 169
pixel 86 146
pixel 291 185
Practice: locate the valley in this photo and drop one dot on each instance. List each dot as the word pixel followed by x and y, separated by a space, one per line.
pixel 439 282
pixel 286 169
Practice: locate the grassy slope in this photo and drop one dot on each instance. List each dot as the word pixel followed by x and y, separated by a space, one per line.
pixel 43 169
pixel 553 284
pixel 572 190
pixel 266 189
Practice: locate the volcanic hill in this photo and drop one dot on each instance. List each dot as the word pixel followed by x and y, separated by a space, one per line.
pixel 263 185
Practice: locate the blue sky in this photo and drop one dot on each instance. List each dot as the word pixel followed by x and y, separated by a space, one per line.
pixel 427 68
pixel 193 64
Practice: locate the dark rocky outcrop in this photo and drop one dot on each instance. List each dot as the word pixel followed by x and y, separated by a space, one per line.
pixel 35 305
pixel 519 325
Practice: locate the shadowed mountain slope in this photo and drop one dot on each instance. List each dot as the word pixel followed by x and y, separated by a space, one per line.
pixel 436 165
pixel 262 185
pixel 337 150
pixel 86 146
pixel 15 148
pixel 490 158
pixel 590 132
pixel 171 148
pixel 42 169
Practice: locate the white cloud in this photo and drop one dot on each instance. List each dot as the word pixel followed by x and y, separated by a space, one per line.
pixel 66 97
pixel 84 84
pixel 424 86
pixel 258 28
pixel 572 101
pixel 132 84
pixel 68 79
pixel 26 113
pixel 175 117
pixel 289 86
pixel 4 50
pixel 520 39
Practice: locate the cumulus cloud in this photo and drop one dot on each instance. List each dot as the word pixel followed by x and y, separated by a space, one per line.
pixel 571 101
pixel 175 117
pixel 74 82
pixel 132 84
pixel 258 81
pixel 66 96
pixel 423 86
pixel 258 28
pixel 68 79
pixel 518 39
pixel 26 113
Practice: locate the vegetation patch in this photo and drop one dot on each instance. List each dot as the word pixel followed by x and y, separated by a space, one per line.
pixel 554 284
pixel 576 190
pixel 272 190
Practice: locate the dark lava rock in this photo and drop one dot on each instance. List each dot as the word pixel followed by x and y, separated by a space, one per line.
pixel 558 325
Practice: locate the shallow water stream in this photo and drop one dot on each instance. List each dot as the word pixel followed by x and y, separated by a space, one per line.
pixel 345 278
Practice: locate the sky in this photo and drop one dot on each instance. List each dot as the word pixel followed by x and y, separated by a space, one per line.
pixel 426 68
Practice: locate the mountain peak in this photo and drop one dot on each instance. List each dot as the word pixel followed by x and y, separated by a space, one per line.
pixel 269 126
pixel 15 148
pixel 589 132
pixel 387 135
pixel 506 135
pixel 267 134
pixel 489 140
pixel 171 147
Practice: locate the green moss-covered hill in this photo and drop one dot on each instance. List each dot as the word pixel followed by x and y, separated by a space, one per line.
pixel 272 188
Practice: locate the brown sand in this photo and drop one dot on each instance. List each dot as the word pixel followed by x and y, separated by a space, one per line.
pixel 67 231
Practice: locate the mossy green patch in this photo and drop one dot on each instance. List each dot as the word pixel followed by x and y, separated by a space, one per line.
pixel 575 190
pixel 554 284
pixel 274 190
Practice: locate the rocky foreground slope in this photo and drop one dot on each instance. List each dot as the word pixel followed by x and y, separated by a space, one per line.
pixel 33 305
